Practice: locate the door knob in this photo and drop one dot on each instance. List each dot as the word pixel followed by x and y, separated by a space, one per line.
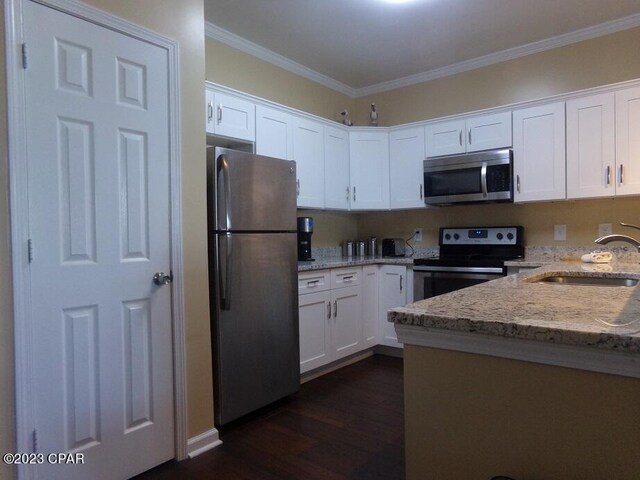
pixel 162 278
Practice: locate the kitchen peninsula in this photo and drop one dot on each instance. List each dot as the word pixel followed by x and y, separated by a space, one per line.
pixel 525 378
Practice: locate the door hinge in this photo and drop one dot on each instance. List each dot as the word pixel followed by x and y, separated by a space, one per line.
pixel 30 250
pixel 24 55
pixel 34 437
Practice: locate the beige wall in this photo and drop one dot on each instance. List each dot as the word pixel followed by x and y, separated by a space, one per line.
pixel 235 69
pixel 184 22
pixel 474 416
pixel 7 406
pixel 600 61
pixel 331 228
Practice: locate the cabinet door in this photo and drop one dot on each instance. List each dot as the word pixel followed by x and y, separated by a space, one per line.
pixel 308 152
pixel 445 138
pixel 274 133
pixel 336 168
pixel 370 301
pixel 488 131
pixel 628 141
pixel 315 316
pixel 369 170
pixel 591 146
pixel 234 117
pixel 209 111
pixel 539 158
pixel 406 156
pixel 346 332
pixel 393 293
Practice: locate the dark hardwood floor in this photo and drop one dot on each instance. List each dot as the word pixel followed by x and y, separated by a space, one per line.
pixel 348 424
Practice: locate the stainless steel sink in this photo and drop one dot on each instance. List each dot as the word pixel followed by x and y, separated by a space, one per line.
pixel 591 281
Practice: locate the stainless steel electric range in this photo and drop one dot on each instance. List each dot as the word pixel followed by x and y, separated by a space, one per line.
pixel 468 256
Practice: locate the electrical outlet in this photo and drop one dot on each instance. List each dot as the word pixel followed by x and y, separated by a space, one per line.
pixel 604 229
pixel 560 232
pixel 418 234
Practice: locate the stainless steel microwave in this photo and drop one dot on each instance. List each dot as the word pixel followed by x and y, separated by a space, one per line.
pixel 470 178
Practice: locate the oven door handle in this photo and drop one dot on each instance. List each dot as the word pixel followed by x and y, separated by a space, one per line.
pixel 497 270
pixel 483 179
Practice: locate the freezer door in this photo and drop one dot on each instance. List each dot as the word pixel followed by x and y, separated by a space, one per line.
pixel 251 192
pixel 255 321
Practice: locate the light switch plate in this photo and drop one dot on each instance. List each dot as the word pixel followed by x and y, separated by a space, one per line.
pixel 418 234
pixel 560 232
pixel 605 229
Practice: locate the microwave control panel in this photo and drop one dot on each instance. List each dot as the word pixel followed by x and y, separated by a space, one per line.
pixel 481 236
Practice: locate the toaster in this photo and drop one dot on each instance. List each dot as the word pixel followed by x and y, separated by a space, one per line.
pixel 393 247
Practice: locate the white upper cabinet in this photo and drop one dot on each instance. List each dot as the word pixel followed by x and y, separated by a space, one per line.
pixel 591 146
pixel 482 132
pixel 336 168
pixel 445 138
pixel 230 116
pixel 406 154
pixel 274 133
pixel 369 170
pixel 539 153
pixel 308 153
pixel 628 141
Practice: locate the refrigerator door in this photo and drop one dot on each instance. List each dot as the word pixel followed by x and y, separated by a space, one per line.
pixel 251 192
pixel 256 355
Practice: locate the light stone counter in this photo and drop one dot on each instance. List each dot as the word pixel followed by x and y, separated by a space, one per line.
pixel 606 318
pixel 338 262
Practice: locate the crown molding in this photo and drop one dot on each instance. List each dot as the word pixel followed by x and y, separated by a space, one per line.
pixel 216 33
pixel 235 41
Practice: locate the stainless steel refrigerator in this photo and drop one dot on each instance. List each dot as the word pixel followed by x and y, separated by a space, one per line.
pixel 252 280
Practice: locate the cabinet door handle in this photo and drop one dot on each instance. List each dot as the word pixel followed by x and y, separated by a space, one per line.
pixel 607 175
pixel 219 113
pixel 400 282
pixel 460 137
pixel 209 111
pixel 347 279
pixel 469 136
pixel 421 196
pixel 354 194
pixel 312 283
pixel 328 309
pixel 621 174
pixel 335 308
pixel 298 187
pixel 518 183
pixel 347 194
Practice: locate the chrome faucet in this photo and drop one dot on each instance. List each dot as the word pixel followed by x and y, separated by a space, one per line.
pixel 620 238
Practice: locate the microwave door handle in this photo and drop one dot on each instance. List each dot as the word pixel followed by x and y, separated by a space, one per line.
pixel 483 179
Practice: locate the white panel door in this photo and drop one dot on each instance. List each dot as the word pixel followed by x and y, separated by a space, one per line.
pixel 628 141
pixel 369 170
pixel 315 317
pixel 370 300
pixel 308 152
pixel 445 138
pixel 346 332
pixel 591 146
pixel 393 293
pixel 488 131
pixel 406 157
pixel 274 133
pixel 336 168
pixel 234 117
pixel 539 158
pixel 97 126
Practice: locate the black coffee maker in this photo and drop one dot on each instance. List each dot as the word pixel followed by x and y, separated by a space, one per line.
pixel 305 230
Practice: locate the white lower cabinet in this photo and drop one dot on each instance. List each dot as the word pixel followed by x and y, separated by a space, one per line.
pixel 370 304
pixel 393 293
pixel 346 332
pixel 315 337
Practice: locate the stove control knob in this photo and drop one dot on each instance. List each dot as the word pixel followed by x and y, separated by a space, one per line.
pixel 500 236
pixel 456 236
pixel 510 236
pixel 447 236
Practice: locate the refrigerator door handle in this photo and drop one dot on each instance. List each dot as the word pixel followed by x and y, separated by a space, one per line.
pixel 224 192
pixel 224 270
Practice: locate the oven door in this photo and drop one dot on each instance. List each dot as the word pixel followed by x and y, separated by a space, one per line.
pixel 432 281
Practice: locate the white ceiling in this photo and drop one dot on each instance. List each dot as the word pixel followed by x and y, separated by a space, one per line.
pixel 364 45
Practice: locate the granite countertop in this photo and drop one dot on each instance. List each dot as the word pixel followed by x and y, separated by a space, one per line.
pixel 515 307
pixel 339 261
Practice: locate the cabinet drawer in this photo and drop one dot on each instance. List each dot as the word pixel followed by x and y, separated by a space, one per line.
pixel 316 281
pixel 345 277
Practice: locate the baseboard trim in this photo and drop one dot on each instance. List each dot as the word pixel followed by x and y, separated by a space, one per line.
pixel 203 442
pixel 338 364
